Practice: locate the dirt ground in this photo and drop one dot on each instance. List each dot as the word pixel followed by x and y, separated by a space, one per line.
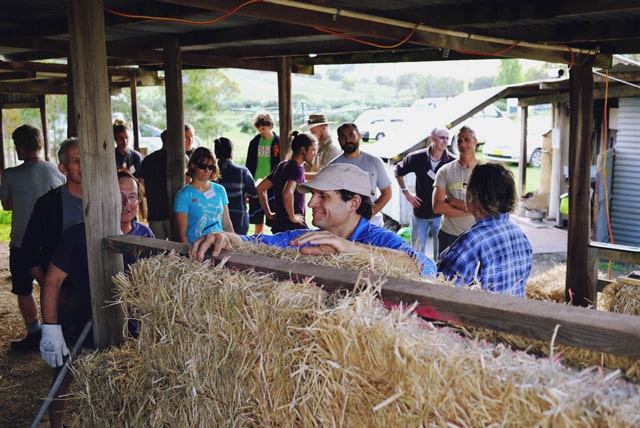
pixel 24 377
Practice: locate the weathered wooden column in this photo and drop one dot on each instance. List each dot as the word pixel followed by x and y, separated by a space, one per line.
pixel 284 104
pixel 72 129
pixel 523 161
pixel 175 123
pixel 134 111
pixel 100 193
pixel 42 104
pixel 2 160
pixel 579 284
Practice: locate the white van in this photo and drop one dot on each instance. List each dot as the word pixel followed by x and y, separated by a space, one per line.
pixel 379 123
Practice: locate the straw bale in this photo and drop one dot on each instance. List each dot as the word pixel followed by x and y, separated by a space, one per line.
pixel 226 348
pixel 622 297
pixel 374 261
pixel 548 285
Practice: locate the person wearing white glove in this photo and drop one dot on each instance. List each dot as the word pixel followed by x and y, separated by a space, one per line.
pixel 69 259
pixel 52 345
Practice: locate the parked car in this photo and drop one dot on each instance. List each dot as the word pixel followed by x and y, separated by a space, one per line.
pixel 508 150
pixel 489 124
pixel 379 123
pixel 150 140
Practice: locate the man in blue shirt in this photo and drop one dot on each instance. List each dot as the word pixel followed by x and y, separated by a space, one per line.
pixel 341 209
pixel 495 252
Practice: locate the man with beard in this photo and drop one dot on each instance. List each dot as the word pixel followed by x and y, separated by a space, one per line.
pixel 349 138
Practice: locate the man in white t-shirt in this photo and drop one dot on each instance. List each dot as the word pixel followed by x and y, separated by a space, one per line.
pixel 349 138
pixel 450 187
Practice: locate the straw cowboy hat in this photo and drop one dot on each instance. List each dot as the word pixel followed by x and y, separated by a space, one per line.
pixel 315 120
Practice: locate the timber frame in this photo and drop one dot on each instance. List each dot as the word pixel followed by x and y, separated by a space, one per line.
pixel 100 41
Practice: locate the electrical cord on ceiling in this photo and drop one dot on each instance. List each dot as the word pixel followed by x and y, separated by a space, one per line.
pixel 181 20
pixel 364 42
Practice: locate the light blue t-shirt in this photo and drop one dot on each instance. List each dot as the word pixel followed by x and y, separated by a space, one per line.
pixel 204 210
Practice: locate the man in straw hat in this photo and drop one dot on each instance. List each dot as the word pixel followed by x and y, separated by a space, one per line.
pixel 341 210
pixel 318 126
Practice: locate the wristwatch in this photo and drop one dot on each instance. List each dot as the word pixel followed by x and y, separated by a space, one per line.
pixel 404 190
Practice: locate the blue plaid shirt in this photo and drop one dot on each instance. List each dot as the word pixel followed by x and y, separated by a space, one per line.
pixel 497 249
pixel 364 233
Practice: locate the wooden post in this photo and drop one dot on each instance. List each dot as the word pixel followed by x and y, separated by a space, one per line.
pixel 100 193
pixel 72 126
pixel 522 174
pixel 579 283
pixel 2 160
pixel 284 104
pixel 134 111
pixel 175 123
pixel 42 104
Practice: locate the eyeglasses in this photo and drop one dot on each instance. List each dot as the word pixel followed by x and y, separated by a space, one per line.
pixel 132 198
pixel 205 166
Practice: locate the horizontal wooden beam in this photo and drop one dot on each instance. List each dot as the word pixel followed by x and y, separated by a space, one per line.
pixel 619 253
pixel 573 326
pixel 382 28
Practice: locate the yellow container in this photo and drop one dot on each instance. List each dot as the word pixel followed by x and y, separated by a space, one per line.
pixel 564 204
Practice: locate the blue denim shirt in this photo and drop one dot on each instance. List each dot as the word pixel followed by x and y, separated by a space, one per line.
pixel 364 233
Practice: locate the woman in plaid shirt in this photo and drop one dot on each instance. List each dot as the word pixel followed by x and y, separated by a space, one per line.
pixel 494 253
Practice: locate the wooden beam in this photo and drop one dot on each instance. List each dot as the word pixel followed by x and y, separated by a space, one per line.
pixel 619 253
pixel 2 161
pixel 523 161
pixel 284 104
pixel 134 112
pixel 175 123
pixel 100 194
pixel 42 104
pixel 389 29
pixel 581 327
pixel 72 124
pixel 37 87
pixel 579 283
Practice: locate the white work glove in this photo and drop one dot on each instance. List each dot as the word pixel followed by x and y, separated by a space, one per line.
pixel 53 348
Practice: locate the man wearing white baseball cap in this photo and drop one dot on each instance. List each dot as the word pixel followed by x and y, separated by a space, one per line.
pixel 318 125
pixel 341 209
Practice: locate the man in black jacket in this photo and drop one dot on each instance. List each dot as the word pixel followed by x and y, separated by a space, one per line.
pixel 53 213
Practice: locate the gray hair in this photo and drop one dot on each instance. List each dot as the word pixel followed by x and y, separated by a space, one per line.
pixel 63 150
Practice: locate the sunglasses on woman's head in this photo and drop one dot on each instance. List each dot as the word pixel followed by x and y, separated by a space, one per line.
pixel 205 166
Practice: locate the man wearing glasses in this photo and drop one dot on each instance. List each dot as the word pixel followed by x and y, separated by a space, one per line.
pixel 349 138
pixel 424 163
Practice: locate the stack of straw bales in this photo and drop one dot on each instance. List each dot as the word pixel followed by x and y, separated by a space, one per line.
pixel 225 348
